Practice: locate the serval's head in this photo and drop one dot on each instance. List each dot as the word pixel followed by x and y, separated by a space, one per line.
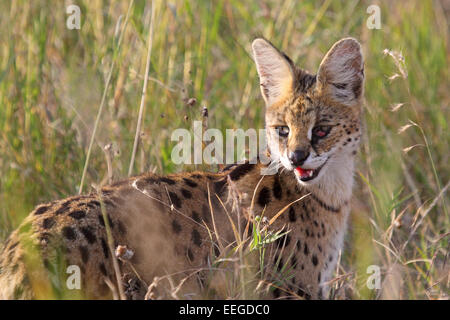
pixel 313 122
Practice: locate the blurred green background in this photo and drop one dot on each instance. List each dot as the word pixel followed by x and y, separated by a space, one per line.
pixel 52 80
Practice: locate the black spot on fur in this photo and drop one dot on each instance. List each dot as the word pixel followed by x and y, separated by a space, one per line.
pixel 167 180
pixel 324 205
pixel 196 239
pixel 121 227
pixel 305 249
pixel 144 182
pixel 84 252
pixel 105 248
pixel 48 223
pixel 264 197
pixel 219 185
pixel 88 234
pixel 314 260
pixel 186 193
pixel 94 204
pixel 150 180
pixel 69 233
pixel 103 269
pixel 176 227
pixel 79 214
pixel 277 190
pixel 292 214
pixel 357 89
pixel 283 240
pixel 305 210
pixel 206 213
pixel 241 170
pixel 280 265
pixel 294 262
pixel 63 208
pixel 111 223
pixel 175 199
pixel 100 220
pixel 196 217
pixel 107 192
pixel 190 183
pixel 216 250
pixel 41 210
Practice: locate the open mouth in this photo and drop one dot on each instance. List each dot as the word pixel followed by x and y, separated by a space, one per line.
pixel 309 174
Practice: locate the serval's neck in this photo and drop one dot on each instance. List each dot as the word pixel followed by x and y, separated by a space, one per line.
pixel 334 188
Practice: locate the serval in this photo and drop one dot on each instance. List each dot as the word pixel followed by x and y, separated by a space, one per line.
pixel 164 229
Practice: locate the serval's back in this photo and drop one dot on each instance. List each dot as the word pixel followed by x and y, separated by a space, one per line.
pixel 171 228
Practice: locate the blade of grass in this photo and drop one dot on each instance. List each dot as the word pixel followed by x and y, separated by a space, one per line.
pixel 144 90
pixel 102 103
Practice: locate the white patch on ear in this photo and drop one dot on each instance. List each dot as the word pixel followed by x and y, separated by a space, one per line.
pixel 274 70
pixel 341 73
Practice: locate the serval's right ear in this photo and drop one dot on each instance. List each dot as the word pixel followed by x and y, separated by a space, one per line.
pixel 275 71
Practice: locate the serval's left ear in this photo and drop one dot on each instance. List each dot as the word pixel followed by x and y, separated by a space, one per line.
pixel 341 73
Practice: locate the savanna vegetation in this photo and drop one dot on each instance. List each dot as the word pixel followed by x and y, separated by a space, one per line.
pixel 54 81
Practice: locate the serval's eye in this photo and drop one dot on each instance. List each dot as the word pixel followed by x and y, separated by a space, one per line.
pixel 283 131
pixel 321 131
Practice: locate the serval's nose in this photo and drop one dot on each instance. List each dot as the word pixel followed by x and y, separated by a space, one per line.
pixel 298 157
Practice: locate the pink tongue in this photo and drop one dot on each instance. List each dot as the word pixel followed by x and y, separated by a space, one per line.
pixel 304 173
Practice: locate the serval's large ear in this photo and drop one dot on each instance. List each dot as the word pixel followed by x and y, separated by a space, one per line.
pixel 275 71
pixel 341 73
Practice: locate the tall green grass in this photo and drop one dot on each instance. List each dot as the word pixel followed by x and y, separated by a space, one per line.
pixel 52 80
